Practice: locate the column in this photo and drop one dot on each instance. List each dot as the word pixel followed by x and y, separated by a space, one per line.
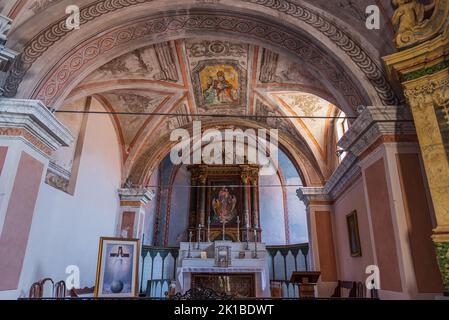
pixel 132 211
pixel 322 256
pixel 429 101
pixel 421 68
pixel 29 133
pixel 201 219
pixel 254 206
pixel 193 203
pixel 245 213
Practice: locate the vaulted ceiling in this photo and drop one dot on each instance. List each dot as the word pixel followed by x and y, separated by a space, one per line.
pixel 180 77
pixel 251 59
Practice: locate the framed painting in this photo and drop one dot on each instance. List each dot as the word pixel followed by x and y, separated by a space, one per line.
pixel 225 200
pixel 223 257
pixel 117 268
pixel 219 83
pixel 353 234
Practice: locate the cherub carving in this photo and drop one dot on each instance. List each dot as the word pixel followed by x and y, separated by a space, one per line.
pixel 409 14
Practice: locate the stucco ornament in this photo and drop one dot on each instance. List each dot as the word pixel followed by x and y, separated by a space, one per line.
pixel 408 18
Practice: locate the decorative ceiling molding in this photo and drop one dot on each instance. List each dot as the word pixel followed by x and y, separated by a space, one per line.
pixel 48 37
pixel 358 55
pixel 86 54
pixel 141 169
pixel 53 33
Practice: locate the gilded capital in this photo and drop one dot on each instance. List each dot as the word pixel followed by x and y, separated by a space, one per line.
pixel 431 89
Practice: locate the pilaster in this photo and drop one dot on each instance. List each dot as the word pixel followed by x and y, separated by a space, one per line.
pixel 422 69
pixel 132 211
pixel 321 241
pixel 382 150
pixel 29 133
pixel 429 100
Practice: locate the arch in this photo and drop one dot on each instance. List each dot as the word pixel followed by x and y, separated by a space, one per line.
pixel 143 166
pixel 296 35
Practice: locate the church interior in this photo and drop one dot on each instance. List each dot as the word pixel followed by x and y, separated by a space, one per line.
pixel 118 177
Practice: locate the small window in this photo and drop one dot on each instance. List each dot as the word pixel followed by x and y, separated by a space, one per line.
pixel 342 126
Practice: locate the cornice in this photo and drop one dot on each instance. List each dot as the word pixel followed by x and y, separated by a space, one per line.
pixel 136 195
pixel 375 122
pixel 314 195
pixel 36 119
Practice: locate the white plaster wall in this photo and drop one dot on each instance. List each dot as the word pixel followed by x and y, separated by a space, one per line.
pixel 66 229
pixel 179 208
pixel 64 156
pixel 150 210
pixel 271 209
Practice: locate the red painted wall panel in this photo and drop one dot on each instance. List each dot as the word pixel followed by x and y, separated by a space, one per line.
pixel 19 216
pixel 379 202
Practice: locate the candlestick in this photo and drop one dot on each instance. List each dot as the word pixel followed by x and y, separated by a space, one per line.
pixel 198 237
pixel 208 229
pixel 189 253
pixel 238 229
pixel 247 238
pixel 255 251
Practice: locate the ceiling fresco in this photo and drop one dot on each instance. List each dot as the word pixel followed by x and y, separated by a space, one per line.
pixel 315 130
pixel 255 59
pixel 219 73
pixel 130 126
pixel 153 63
pixel 207 77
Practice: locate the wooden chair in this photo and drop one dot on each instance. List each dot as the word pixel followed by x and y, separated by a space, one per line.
pixel 37 289
pixel 60 290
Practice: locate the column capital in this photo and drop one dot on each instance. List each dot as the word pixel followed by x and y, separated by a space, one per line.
pixel 314 196
pixel 32 121
pixel 135 196
pixel 431 90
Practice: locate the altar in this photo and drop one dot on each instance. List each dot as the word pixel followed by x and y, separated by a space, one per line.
pixel 224 252
pixel 237 268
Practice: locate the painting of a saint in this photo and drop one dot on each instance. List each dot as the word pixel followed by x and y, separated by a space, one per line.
pixel 224 206
pixel 219 85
